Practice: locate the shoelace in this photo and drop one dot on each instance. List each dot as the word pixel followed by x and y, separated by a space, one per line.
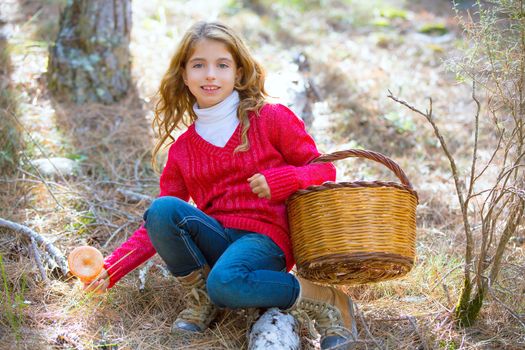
pixel 327 317
pixel 304 319
pixel 199 306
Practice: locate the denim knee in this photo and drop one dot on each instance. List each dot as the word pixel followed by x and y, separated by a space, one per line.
pixel 227 288
pixel 160 216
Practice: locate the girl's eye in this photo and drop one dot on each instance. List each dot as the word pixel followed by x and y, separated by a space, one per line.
pixel 198 65
pixel 222 65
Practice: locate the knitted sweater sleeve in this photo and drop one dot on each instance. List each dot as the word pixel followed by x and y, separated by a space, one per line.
pixel 138 248
pixel 289 137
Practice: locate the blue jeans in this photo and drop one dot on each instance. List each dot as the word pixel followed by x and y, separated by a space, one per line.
pixel 247 269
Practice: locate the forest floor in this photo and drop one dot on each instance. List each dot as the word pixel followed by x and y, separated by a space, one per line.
pixel 355 54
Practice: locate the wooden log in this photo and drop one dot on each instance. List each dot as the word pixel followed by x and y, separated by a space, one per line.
pixel 274 330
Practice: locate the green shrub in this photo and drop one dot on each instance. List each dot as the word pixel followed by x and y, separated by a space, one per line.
pixel 493 60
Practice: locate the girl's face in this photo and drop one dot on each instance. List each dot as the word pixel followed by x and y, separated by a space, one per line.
pixel 210 72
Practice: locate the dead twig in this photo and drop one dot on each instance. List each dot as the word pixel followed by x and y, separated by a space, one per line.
pixel 445 276
pixel 116 232
pixel 41 178
pixel 134 197
pixel 509 310
pixel 455 174
pixel 38 260
pixel 413 322
pixel 367 329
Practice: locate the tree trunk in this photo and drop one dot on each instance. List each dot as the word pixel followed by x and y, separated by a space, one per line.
pixel 467 310
pixel 90 61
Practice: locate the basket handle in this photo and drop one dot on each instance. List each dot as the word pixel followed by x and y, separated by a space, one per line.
pixel 375 156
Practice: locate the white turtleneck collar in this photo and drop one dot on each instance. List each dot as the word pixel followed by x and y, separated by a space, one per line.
pixel 217 124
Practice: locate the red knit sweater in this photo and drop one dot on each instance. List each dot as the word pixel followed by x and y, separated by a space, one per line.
pixel 216 179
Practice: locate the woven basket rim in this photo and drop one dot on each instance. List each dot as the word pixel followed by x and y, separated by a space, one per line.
pixel 330 185
pixel 365 154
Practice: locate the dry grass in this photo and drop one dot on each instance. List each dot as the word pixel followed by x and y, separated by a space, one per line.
pixel 96 130
pixel 10 131
pixel 111 144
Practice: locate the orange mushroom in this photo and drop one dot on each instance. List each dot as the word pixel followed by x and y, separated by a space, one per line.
pixel 86 263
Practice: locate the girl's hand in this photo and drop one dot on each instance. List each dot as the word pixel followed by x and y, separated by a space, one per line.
pixel 259 186
pixel 98 285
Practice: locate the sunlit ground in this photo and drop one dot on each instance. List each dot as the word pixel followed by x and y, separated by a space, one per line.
pixel 356 52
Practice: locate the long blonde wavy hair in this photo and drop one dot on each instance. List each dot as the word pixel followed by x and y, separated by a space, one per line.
pixel 175 101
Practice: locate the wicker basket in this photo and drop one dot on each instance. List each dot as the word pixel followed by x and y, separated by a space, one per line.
pixel 354 232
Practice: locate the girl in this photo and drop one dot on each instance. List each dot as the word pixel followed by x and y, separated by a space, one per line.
pixel 239 159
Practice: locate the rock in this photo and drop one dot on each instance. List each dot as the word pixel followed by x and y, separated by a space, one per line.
pixel 53 167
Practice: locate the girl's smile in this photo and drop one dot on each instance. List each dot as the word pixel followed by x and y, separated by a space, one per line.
pixel 210 88
pixel 210 72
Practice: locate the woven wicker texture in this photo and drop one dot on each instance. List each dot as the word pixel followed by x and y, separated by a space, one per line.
pixel 354 232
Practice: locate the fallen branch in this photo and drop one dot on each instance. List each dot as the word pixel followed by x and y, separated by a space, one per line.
pixel 134 197
pixel 55 253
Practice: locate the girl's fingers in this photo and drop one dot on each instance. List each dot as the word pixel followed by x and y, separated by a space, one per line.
pixel 253 184
pixel 100 287
pixel 255 178
pixel 97 286
pixel 103 274
pixel 261 192
pixel 259 186
pixel 90 286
